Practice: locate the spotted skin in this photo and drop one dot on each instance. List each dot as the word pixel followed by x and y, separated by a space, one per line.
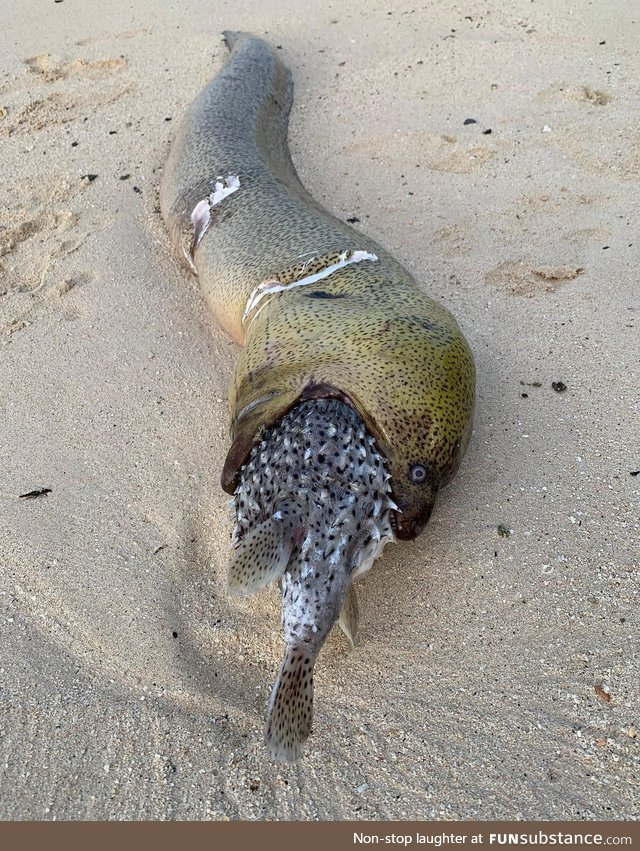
pixel 372 338
pixel 320 458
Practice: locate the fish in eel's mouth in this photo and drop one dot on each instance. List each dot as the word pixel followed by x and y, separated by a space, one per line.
pixel 313 508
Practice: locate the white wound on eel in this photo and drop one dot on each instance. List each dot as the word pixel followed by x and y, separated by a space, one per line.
pixel 201 213
pixel 269 287
pixel 224 186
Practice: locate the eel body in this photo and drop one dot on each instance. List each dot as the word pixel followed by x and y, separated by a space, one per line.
pixel 358 384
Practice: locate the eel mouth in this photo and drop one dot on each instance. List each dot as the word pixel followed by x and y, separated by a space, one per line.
pixel 407 524
pixel 413 512
pixel 246 437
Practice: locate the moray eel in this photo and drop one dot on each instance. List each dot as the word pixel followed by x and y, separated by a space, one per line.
pixel 352 400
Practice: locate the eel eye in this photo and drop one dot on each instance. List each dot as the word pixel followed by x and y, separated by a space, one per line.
pixel 418 473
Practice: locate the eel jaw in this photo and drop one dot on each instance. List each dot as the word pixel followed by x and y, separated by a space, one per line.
pixel 407 525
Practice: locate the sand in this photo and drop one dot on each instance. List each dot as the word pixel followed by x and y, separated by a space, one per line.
pixel 131 686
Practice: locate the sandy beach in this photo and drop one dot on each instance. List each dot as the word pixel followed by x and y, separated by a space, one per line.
pixel 496 672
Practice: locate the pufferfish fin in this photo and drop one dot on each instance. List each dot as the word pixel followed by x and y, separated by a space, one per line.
pixel 350 615
pixel 290 709
pixel 261 556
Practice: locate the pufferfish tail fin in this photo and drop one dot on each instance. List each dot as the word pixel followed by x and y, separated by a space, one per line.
pixel 263 554
pixel 290 709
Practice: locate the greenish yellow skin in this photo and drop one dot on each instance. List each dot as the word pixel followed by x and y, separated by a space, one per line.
pixel 365 333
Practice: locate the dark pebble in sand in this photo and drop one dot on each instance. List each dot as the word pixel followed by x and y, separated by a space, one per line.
pixel 469 121
pixel 353 219
pixel 559 386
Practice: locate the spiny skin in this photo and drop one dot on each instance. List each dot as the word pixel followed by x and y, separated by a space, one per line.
pixel 365 334
pixel 319 462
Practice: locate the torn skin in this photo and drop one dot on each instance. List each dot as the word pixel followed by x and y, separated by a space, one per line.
pixel 201 213
pixel 270 287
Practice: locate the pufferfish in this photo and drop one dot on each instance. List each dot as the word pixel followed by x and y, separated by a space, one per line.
pixel 352 400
